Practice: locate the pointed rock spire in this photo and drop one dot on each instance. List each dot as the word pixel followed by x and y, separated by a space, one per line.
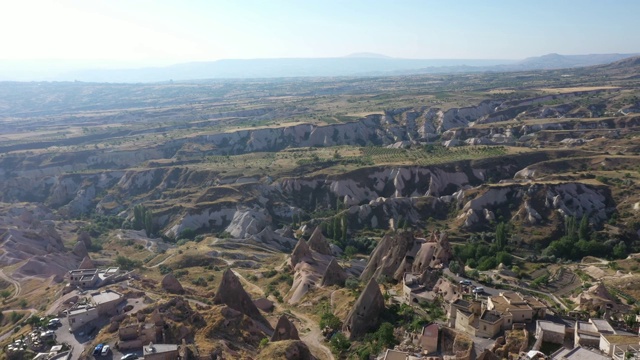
pixel 285 330
pixel 80 250
pixel 231 293
pixel 300 252
pixel 334 274
pixel 365 313
pixel 171 284
pixel 319 243
pixel 87 263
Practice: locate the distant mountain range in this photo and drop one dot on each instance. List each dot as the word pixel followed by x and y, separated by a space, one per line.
pixel 360 64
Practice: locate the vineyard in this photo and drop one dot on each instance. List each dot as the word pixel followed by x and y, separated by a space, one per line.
pixel 430 155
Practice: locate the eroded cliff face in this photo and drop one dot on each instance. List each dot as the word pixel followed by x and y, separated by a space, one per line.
pixel 536 204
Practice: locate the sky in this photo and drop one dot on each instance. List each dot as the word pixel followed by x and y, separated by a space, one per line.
pixel 145 32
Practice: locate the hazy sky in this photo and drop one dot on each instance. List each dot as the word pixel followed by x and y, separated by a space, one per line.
pixel 164 32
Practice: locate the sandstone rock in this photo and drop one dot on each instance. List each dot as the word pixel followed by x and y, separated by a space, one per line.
pixel 286 350
pixel 318 242
pixel 334 274
pixel 264 304
pixel 85 238
pixel 388 256
pixel 435 253
pixel 87 263
pixel 365 313
pixel 80 250
pixel 171 284
pixel 300 253
pixel 285 330
pixel 231 293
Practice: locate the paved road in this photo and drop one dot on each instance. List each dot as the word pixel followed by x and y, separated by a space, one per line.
pixel 488 291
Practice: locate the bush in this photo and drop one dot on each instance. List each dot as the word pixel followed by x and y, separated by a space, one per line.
pixel 352 283
pixel 164 269
pixel 199 281
pixel 331 321
pixel 126 263
pixel 339 343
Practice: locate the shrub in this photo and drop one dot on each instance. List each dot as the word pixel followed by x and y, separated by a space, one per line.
pixel 331 321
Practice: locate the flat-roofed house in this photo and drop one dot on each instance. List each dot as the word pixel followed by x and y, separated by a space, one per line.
pixel 160 352
pixel 550 332
pixel 107 301
pixel 81 315
pixel 85 278
pixel 587 333
pixel 520 308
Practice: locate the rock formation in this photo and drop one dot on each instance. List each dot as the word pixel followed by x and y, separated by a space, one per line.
pixel 87 263
pixel 171 284
pixel 286 350
pixel 319 243
pixel 285 330
pixel 80 250
pixel 388 256
pixel 300 252
pixel 334 274
pixel 435 253
pixel 85 238
pixel 231 293
pixel 365 313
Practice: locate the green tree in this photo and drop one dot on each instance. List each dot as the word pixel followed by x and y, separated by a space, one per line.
pixel 5 294
pixel 350 251
pixel 455 267
pixel 343 221
pixel 570 228
pixel 501 236
pixel 583 230
pixel 339 343
pixel 331 321
pixel 385 335
pixel 620 250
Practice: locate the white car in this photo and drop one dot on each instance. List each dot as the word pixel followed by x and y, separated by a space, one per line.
pixel 478 290
pixel 105 350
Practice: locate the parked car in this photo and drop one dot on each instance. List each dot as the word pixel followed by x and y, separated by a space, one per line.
pixel 129 357
pixel 465 282
pixel 105 350
pixel 478 290
pixel 98 349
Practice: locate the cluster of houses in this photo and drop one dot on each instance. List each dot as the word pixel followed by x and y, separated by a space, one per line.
pixel 594 339
pixel 488 317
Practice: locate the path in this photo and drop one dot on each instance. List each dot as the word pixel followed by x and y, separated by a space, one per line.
pixel 312 338
pixel 15 283
pixel 8 333
pixel 161 262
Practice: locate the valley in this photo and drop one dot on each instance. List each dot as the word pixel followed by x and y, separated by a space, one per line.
pixel 326 218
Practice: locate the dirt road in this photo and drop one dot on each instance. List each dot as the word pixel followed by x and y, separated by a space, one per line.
pixel 311 338
pixel 15 283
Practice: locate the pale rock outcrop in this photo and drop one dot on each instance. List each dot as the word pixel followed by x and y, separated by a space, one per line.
pixel 317 242
pixel 214 217
pixel 171 284
pixel 334 274
pixel 388 255
pixel 433 254
pixel 284 330
pixel 87 263
pixel 248 222
pixel 80 250
pixel 365 314
pixel 232 293
pixel 300 253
